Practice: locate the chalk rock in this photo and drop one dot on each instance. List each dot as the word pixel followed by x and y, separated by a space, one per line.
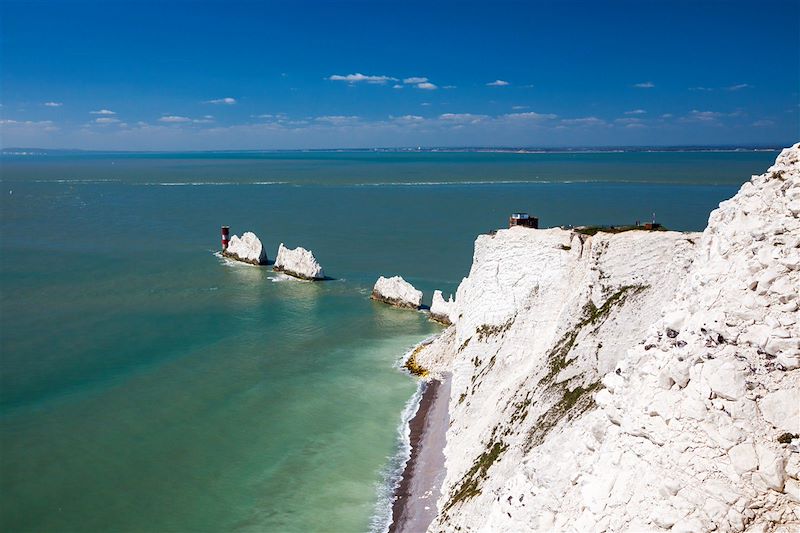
pixel 724 378
pixel 298 262
pixel 441 309
pixel 771 466
pixel 247 249
pixel 397 291
pixel 782 409
pixel 743 457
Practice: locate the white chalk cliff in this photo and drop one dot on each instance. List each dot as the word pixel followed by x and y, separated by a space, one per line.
pixel 247 248
pixel 397 291
pixel 298 262
pixel 441 309
pixel 643 381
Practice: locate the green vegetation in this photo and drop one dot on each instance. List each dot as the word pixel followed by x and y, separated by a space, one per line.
pixel 470 483
pixel 413 366
pixel 487 330
pixel 593 230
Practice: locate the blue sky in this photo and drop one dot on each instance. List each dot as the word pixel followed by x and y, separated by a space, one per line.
pixel 264 75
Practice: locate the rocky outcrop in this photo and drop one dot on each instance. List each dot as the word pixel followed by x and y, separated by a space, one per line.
pixel 441 309
pixel 247 249
pixel 631 382
pixel 298 262
pixel 397 291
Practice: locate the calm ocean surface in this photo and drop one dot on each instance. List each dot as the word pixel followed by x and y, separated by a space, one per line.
pixel 146 385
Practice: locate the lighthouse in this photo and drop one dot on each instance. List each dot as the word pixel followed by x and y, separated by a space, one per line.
pixel 226 230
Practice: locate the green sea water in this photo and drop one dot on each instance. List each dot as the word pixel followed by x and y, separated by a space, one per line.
pixel 148 385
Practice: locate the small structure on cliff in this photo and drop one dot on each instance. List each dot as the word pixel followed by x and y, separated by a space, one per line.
pixel 397 292
pixel 524 220
pixel 298 262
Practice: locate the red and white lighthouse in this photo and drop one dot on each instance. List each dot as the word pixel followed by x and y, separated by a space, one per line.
pixel 226 230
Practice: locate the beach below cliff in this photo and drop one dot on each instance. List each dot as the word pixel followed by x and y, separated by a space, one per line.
pixel 414 506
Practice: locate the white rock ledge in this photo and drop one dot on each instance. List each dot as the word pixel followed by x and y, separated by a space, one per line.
pixel 397 292
pixel 247 249
pixel 442 310
pixel 298 262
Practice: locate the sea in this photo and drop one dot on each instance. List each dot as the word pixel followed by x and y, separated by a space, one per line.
pixel 149 385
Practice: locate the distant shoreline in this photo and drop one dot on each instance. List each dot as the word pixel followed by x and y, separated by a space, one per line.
pixel 495 150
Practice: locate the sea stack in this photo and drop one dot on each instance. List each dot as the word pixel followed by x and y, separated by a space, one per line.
pixel 442 310
pixel 298 262
pixel 397 292
pixel 247 249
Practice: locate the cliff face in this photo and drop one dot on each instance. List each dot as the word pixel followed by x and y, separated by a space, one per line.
pixel 637 381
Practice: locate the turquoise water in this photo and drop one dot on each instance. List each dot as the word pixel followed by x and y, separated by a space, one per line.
pixel 147 385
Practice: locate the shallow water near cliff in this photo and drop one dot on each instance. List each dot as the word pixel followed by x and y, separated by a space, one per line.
pixel 147 385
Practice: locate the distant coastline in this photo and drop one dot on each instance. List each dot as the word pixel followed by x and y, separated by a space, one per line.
pixel 20 151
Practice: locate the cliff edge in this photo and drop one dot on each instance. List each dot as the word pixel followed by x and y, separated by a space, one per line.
pixel 630 382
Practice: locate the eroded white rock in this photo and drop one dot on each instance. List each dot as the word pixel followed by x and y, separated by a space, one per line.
pixel 781 408
pixel 442 310
pixel 298 262
pixel 397 291
pixel 247 248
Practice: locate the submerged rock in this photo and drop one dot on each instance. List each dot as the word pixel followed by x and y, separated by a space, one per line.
pixel 247 249
pixel 441 309
pixel 397 291
pixel 298 262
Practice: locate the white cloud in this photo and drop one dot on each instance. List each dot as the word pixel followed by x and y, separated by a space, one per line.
pixel 408 119
pixel 636 112
pixel 462 118
pixel 174 119
pixel 763 123
pixel 397 86
pixel 102 112
pixel 414 80
pixel 531 115
pixel 704 89
pixel 428 86
pixel 704 116
pixel 426 104
pixel 667 115
pixel 645 85
pixel 497 83
pixel 583 121
pixel 358 77
pixel 518 107
pixel 738 87
pixel 52 104
pixel 449 87
pixel 225 101
pixel 338 120
pixel 106 120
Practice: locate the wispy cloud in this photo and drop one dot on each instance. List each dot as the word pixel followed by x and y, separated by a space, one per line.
pixel 222 101
pixel 414 80
pixel 636 112
pixel 102 112
pixel 696 115
pixel 462 118
pixel 763 123
pixel 408 119
pixel 338 120
pixel 702 89
pixel 52 104
pixel 498 83
pixel 518 107
pixel 397 86
pixel 358 77
pixel 428 86
pixel 174 119
pixel 738 87
pixel 583 121
pixel 531 115
pixel 645 85
pixel 449 87
pixel 106 120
